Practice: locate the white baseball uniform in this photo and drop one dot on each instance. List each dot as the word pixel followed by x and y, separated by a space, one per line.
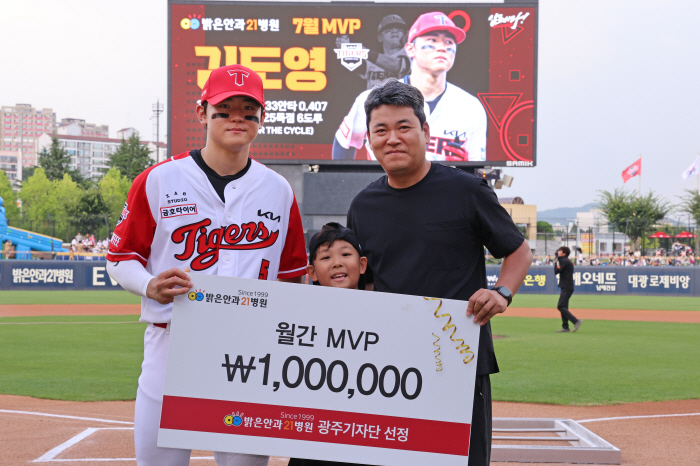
pixel 173 217
pixel 458 114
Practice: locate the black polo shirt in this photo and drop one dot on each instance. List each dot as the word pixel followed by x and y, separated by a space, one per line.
pixel 429 239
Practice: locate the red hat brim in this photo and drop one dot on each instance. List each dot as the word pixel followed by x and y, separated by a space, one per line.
pixel 220 97
pixel 459 34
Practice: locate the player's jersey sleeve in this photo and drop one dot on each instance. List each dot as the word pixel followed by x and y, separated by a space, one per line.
pixel 293 261
pixel 353 129
pixel 476 145
pixel 136 227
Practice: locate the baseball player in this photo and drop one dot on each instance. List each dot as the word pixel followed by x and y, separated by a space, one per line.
pixel 212 210
pixel 457 119
pixel 393 63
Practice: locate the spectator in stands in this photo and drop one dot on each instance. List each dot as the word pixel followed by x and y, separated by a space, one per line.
pixel 677 247
pixel 6 249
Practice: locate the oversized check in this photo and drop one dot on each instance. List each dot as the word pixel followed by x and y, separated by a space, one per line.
pixel 283 369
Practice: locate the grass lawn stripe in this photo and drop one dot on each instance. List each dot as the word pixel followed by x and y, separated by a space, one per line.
pixel 606 362
pixel 651 303
pixel 68 297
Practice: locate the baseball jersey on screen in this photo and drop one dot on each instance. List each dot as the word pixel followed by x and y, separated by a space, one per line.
pixel 457 114
pixel 376 75
pixel 173 217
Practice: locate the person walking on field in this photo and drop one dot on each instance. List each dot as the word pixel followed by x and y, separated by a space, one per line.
pixel 565 268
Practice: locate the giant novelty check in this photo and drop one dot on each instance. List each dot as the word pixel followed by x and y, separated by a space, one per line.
pixel 305 371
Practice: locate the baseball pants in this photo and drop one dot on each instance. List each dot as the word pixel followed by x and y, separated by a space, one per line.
pixel 149 399
pixel 563 306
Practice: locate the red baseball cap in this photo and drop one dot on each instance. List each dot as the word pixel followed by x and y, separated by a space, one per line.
pixel 435 21
pixel 231 80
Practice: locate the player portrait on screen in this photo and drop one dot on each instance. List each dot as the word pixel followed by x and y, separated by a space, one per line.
pixel 457 120
pixel 392 62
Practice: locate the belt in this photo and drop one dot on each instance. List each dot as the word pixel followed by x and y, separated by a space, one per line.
pixel 161 325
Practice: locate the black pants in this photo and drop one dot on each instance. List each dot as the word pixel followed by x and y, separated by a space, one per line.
pixel 563 306
pixel 480 447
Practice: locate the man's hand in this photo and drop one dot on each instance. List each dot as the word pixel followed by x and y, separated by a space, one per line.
pixel 485 304
pixel 167 285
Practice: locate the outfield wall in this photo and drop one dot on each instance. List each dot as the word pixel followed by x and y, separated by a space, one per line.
pixel 55 275
pixel 639 281
pixel 664 281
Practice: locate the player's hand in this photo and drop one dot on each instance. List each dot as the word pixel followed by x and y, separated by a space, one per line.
pixel 485 304
pixel 167 285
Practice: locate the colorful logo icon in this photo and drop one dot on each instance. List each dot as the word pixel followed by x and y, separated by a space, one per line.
pixel 233 419
pixel 196 295
pixel 191 22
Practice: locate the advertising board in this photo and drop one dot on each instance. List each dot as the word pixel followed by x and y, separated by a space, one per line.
pixel 317 60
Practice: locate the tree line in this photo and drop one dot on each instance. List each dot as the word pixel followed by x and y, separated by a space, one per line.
pixel 57 200
pixel 639 215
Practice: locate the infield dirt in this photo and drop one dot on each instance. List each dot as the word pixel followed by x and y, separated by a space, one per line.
pixel 24 310
pixel 647 441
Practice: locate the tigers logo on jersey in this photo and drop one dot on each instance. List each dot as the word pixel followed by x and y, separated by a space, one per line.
pixel 246 236
pixel 125 213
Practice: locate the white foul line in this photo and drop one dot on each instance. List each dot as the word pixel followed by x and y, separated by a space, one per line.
pixel 66 417
pixel 636 417
pixel 51 454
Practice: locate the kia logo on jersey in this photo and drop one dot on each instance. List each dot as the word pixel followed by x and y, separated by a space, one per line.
pixel 194 235
pixel 235 74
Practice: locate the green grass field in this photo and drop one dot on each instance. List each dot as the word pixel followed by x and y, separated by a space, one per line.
pixel 605 362
pixel 81 362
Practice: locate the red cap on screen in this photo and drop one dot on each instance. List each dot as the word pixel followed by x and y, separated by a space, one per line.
pixel 435 21
pixel 231 80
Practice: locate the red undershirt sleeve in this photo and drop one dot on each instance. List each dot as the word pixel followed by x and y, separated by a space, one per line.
pixel 294 260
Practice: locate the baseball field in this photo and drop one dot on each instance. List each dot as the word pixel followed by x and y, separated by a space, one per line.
pixel 70 363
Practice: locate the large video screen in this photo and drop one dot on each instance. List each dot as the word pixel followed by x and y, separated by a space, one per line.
pixel 474 63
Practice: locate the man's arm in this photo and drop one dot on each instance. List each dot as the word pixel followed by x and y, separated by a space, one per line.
pixel 485 304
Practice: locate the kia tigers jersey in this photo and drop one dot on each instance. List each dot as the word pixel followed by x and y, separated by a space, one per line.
pixel 173 217
pixel 458 120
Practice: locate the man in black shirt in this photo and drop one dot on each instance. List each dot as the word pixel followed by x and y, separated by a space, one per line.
pixel 423 228
pixel 565 268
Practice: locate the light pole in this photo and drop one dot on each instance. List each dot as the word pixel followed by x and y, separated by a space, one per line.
pixel 157 110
